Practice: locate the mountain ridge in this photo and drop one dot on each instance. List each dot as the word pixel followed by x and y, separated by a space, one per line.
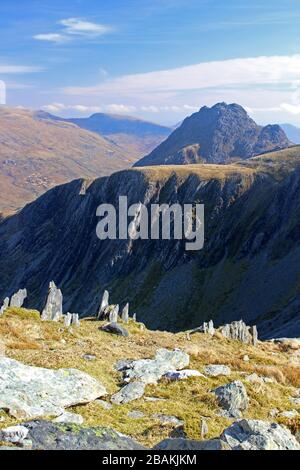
pixel 217 135
pixel 252 243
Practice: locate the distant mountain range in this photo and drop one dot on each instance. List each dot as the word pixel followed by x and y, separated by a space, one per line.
pixel 292 132
pixel 132 134
pixel 216 135
pixel 39 150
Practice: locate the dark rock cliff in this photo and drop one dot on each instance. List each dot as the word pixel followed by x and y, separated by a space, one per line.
pixel 249 267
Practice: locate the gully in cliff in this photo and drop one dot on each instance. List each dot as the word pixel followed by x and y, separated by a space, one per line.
pixel 155 222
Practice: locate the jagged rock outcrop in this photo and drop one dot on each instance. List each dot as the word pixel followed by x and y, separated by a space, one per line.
pixel 238 330
pixel 53 309
pixel 216 135
pixel 28 392
pixel 17 300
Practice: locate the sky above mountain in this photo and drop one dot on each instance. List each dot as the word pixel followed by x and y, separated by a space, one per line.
pixel 156 59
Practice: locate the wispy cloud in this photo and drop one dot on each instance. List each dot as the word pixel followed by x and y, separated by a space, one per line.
pixel 52 37
pixel 82 27
pixel 18 69
pixel 74 28
pixel 272 70
pixel 116 108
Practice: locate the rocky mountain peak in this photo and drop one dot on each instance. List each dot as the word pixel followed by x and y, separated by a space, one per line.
pixel 222 132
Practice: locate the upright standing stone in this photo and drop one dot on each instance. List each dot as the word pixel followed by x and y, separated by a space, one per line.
pixel 53 308
pixel 134 317
pixel 68 320
pixel 75 319
pixel 4 306
pixel 18 298
pixel 104 304
pixel 113 314
pixel 254 334
pixel 203 428
pixel 125 313
pixel 211 329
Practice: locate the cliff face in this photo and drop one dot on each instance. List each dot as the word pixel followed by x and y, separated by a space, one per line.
pixel 216 135
pixel 249 267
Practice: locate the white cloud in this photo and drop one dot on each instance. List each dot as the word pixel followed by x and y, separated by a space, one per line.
pixel 84 109
pixel 273 70
pixel 117 108
pixel 79 26
pixel 73 28
pixel 51 37
pixel 291 108
pixel 18 69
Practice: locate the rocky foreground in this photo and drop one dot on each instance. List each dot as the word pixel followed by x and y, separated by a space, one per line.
pixel 85 386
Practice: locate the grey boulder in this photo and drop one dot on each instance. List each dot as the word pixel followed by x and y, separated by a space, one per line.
pixel 115 329
pixel 130 392
pixel 29 392
pixel 259 435
pixel 214 370
pixel 152 370
pixel 46 435
pixel 233 397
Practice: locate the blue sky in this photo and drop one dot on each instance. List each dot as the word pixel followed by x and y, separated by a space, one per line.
pixel 159 59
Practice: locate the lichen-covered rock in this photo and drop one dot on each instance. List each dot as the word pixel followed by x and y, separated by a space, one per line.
pixel 259 435
pixel 152 370
pixel 233 397
pixel 130 392
pixel 115 329
pixel 46 435
pixel 53 308
pixel 214 370
pixel 28 392
pixel 18 298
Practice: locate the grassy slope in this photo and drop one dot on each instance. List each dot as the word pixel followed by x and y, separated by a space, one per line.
pixel 36 155
pixel 49 344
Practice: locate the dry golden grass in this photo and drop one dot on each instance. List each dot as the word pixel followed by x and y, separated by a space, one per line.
pixel 56 347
